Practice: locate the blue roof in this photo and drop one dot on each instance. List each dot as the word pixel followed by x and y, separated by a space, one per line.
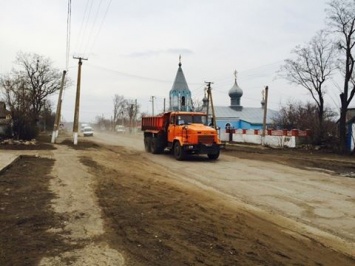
pixel 253 115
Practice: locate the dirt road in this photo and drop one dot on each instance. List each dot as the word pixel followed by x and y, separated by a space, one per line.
pixel 114 204
pixel 317 198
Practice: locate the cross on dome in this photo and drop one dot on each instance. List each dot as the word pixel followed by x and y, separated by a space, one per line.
pixel 235 74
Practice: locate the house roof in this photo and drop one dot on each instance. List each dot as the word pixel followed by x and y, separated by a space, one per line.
pixel 253 115
pixel 351 120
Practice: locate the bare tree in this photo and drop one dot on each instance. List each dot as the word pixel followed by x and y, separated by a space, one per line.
pixel 341 18
pixel 120 105
pixel 304 116
pixel 312 67
pixel 132 110
pixel 197 104
pixel 40 79
pixel 102 123
pixel 26 89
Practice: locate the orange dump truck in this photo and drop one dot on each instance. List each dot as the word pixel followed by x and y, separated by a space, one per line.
pixel 182 133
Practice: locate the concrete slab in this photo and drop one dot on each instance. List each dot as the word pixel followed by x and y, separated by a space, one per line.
pixel 6 159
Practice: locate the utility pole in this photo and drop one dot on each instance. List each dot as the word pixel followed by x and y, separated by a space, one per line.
pixel 135 114
pixel 77 101
pixel 152 100
pixel 59 108
pixel 207 106
pixel 210 100
pixel 265 114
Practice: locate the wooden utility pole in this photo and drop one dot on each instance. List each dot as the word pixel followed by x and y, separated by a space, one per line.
pixel 77 101
pixel 210 100
pixel 207 107
pixel 265 114
pixel 59 108
pixel 135 114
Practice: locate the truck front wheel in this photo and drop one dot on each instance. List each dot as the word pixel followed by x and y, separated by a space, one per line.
pixel 179 153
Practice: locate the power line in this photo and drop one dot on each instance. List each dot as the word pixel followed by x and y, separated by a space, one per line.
pixel 129 75
pixel 68 35
pixel 80 34
pixel 250 70
pixel 92 26
pixel 100 27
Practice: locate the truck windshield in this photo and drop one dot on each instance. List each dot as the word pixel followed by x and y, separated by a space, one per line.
pixel 190 119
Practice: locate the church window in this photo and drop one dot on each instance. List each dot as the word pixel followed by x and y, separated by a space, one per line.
pixel 183 101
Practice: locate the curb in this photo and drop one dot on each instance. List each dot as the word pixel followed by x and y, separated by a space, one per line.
pixel 4 168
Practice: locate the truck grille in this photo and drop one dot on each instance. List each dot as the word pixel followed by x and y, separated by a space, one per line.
pixel 205 139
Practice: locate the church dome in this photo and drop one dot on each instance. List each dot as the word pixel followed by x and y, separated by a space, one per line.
pixel 235 93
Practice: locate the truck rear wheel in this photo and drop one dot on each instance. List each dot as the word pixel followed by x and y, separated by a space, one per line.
pixel 156 146
pixel 213 156
pixel 147 143
pixel 179 152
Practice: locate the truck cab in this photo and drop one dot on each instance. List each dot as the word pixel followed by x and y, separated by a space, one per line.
pixel 188 134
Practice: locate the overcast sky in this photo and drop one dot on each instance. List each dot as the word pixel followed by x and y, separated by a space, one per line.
pixel 133 47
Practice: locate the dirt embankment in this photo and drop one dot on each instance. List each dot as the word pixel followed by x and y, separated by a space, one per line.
pixel 308 159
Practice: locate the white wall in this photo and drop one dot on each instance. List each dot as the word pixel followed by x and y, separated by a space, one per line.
pixel 352 143
pixel 249 136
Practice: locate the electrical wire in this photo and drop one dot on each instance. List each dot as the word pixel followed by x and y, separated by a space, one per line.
pixel 68 35
pixel 92 27
pixel 100 27
pixel 128 74
pixel 82 36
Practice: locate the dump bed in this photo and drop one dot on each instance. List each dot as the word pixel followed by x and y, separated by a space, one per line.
pixel 154 123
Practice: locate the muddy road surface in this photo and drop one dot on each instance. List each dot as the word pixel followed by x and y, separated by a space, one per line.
pixel 107 202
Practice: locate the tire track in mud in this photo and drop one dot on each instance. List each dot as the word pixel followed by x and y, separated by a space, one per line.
pixel 77 202
pixel 156 219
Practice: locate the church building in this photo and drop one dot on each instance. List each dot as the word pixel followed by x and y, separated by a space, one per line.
pixel 233 116
pixel 240 117
pixel 180 94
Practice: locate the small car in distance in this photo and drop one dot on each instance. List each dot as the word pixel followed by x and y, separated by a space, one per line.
pixel 120 129
pixel 88 131
pixel 83 126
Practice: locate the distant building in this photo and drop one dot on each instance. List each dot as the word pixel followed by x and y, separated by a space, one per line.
pixel 237 116
pixel 180 94
pixel 5 119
